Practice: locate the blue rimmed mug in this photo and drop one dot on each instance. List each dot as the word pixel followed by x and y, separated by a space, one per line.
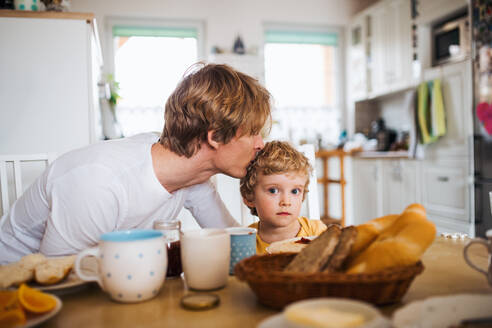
pixel 131 264
pixel 243 244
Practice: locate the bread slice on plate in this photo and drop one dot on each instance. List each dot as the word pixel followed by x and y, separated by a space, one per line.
pixel 54 270
pixel 16 273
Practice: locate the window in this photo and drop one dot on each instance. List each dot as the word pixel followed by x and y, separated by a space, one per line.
pixel 149 59
pixel 303 72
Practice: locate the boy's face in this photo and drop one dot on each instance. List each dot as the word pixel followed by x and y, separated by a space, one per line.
pixel 234 157
pixel 278 198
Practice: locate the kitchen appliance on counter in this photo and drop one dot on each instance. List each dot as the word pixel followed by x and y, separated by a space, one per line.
pixel 482 140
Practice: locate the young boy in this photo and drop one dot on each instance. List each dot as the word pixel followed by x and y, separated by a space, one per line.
pixel 274 188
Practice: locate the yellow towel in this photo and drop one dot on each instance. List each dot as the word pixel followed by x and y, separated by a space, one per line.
pixel 430 112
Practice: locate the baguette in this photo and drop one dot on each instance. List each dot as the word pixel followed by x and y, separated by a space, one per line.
pixel 401 244
pixel 369 231
pixel 315 255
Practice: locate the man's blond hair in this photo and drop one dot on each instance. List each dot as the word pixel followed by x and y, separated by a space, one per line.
pixel 277 157
pixel 218 98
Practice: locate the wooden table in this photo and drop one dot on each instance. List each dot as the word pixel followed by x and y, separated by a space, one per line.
pixel 445 273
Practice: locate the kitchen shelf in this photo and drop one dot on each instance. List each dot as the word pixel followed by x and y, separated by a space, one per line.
pixel 46 14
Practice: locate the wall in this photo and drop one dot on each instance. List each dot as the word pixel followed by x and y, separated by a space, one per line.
pixel 225 19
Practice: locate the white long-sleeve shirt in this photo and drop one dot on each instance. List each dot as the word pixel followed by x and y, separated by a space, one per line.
pixel 103 187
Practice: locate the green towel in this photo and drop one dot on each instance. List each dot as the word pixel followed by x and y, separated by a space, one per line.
pixel 422 113
pixel 438 112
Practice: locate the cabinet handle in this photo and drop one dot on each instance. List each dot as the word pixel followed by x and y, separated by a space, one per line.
pixel 443 179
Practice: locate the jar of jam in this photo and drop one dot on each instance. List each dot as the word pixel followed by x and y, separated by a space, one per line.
pixel 171 230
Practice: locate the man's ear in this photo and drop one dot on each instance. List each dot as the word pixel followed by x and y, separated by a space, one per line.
pixel 210 139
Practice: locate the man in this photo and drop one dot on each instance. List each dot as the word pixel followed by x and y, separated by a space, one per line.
pixel 213 124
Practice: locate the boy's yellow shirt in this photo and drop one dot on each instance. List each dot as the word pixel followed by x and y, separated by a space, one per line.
pixel 308 228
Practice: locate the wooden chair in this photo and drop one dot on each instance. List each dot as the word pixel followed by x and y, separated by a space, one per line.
pixel 325 180
pixel 17 184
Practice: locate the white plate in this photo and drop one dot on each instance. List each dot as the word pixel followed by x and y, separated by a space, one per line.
pixel 34 321
pixel 275 244
pixel 88 266
pixel 274 321
pixel 374 319
pixel 443 311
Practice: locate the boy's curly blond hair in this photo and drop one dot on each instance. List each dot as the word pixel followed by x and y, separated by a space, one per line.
pixel 277 157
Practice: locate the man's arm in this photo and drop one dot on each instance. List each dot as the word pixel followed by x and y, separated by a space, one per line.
pixel 85 203
pixel 206 206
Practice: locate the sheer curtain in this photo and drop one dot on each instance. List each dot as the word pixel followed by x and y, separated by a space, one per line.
pixel 149 59
pixel 303 73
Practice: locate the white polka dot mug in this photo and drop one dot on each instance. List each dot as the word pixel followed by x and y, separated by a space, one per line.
pixel 132 264
pixel 243 245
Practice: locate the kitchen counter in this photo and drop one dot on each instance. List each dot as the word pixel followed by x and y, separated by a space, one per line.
pixel 445 273
pixel 383 154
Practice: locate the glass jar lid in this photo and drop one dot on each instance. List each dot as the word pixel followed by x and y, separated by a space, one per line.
pixel 199 302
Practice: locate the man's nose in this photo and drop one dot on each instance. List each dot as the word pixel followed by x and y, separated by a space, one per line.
pixel 258 143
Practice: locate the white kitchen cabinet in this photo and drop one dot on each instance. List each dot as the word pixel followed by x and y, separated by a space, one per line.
pixel 367 189
pixel 398 33
pixel 456 83
pixel 357 61
pixel 390 50
pixel 446 190
pixel 400 185
pixel 384 186
pixel 49 67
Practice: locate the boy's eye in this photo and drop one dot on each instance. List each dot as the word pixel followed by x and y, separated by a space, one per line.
pixel 296 191
pixel 272 190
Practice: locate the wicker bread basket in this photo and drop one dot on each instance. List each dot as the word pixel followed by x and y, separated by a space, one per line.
pixel 276 289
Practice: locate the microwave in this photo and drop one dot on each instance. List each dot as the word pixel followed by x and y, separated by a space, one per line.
pixel 451 41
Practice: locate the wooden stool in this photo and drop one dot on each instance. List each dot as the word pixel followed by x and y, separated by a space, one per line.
pixel 325 156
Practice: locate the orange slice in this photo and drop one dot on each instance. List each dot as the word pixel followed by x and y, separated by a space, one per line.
pixel 8 298
pixel 34 300
pixel 12 318
pixel 11 313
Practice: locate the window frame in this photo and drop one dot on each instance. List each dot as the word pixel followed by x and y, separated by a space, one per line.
pixel 150 22
pixel 340 101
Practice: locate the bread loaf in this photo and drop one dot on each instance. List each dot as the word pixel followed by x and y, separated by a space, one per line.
pixel 347 238
pixel 312 258
pixel 368 232
pixel 400 244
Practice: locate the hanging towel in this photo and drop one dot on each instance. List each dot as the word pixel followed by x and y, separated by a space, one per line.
pixel 422 113
pixel 430 112
pixel 438 112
